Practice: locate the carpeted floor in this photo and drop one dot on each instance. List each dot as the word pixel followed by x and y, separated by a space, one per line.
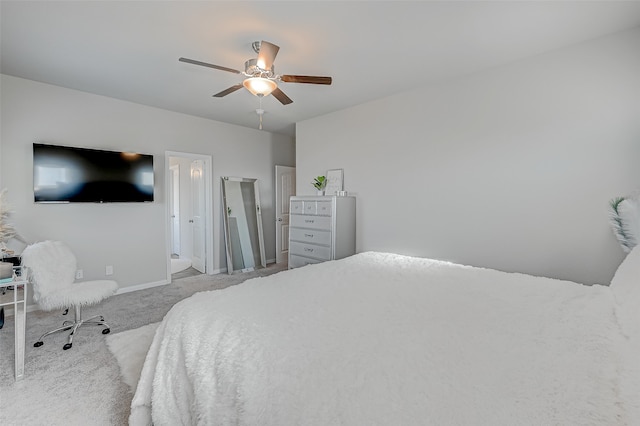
pixel 83 386
pixel 189 272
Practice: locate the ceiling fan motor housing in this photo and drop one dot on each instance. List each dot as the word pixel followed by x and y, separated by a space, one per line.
pixel 251 69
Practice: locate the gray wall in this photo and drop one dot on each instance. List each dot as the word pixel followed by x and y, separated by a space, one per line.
pixel 510 169
pixel 131 237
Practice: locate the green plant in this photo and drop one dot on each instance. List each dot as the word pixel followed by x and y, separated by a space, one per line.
pixel 319 183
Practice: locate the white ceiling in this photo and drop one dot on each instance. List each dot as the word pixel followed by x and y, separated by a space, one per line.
pixel 130 50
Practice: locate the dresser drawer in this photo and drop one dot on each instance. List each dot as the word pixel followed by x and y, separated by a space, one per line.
pixel 298 261
pixel 313 222
pixel 310 207
pixel 310 250
pixel 323 208
pixel 296 207
pixel 310 236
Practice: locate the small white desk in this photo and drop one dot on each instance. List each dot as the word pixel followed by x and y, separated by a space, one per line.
pixel 17 297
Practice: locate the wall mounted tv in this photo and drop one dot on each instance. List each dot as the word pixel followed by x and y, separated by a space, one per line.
pixel 63 174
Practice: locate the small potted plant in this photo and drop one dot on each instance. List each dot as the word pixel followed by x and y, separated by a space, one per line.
pixel 319 183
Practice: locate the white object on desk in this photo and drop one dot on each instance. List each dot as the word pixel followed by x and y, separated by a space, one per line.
pixel 19 302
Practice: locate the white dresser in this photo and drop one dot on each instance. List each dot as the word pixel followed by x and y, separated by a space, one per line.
pixel 321 229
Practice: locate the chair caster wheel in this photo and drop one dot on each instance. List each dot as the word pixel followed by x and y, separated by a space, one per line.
pixel 67 346
pixel 37 344
pixel 106 331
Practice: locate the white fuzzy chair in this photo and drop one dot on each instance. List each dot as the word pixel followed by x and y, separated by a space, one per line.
pixel 51 267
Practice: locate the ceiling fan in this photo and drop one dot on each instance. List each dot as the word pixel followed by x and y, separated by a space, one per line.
pixel 261 77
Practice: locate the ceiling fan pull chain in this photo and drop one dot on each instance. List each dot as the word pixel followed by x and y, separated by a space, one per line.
pixel 260 112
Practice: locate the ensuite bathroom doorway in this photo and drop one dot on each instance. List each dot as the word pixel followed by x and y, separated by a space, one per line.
pixel 189 214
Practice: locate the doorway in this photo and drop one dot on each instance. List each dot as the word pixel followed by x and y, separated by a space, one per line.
pixel 189 214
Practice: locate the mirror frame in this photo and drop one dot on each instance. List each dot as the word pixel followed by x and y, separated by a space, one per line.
pixel 227 231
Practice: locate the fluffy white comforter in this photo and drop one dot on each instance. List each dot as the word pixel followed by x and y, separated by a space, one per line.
pixel 382 339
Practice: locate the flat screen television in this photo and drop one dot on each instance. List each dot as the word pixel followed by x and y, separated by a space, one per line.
pixel 63 174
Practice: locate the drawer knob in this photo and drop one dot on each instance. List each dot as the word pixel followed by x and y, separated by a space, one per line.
pixel 308 235
pixel 308 249
pixel 309 221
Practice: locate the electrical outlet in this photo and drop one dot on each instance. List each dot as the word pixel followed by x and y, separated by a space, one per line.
pixel 79 274
pixel 108 270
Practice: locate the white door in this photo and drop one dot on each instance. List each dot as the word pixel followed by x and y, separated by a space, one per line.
pixel 285 188
pixel 197 215
pixel 174 202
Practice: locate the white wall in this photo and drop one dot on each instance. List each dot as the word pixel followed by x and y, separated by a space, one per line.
pixel 511 169
pixel 131 237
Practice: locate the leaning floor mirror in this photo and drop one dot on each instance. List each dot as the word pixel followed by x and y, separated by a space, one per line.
pixel 242 224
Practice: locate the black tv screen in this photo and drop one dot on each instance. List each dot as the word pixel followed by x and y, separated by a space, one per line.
pixel 67 174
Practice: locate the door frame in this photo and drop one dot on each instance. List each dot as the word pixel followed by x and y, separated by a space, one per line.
pixel 208 206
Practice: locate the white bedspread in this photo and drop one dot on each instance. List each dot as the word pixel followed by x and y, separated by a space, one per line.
pixel 382 339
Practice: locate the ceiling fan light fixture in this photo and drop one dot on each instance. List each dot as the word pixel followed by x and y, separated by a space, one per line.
pixel 259 73
pixel 260 86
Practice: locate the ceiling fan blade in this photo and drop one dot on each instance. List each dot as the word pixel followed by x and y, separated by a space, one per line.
pixel 204 64
pixel 267 55
pixel 279 95
pixel 305 79
pixel 227 91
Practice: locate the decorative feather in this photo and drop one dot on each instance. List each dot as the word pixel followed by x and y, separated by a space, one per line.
pixel 7 231
pixel 625 221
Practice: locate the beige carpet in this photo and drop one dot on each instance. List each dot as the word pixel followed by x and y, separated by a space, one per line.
pixel 83 385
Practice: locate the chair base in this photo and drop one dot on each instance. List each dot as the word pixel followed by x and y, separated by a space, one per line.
pixel 74 326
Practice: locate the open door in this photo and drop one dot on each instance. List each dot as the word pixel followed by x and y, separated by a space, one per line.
pixel 197 215
pixel 285 188
pixel 174 200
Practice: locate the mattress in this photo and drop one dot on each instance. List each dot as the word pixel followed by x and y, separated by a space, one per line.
pixel 380 338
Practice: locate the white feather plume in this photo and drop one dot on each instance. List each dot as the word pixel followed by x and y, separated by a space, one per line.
pixel 625 221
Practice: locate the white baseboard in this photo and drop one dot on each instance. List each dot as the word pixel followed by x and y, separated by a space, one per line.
pixel 8 312
pixel 223 270
pixel 34 306
pixel 143 286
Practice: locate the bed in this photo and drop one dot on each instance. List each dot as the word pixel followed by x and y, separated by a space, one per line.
pixel 385 339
